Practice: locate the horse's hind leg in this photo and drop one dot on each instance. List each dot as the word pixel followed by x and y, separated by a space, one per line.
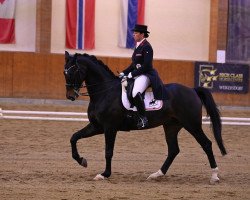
pixel 171 132
pixel 206 145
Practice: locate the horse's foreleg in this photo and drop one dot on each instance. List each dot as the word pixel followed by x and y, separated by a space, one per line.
pixel 171 132
pixel 109 149
pixel 88 131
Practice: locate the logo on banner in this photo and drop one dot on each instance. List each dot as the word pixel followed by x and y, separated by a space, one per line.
pixel 207 76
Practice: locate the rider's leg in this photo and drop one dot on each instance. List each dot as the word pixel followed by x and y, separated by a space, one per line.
pixel 140 85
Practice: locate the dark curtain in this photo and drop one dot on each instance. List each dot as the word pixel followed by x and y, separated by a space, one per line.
pixel 238 43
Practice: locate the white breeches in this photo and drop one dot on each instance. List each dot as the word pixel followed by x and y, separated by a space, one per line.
pixel 140 85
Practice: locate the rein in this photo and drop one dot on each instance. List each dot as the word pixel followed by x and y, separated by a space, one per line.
pixel 96 84
pixel 92 85
pixel 76 87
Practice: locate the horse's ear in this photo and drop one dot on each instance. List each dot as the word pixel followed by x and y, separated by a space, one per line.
pixel 66 56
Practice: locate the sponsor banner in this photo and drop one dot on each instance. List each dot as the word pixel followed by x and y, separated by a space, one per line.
pixel 230 78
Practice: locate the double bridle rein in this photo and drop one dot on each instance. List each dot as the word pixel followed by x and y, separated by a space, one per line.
pixel 77 87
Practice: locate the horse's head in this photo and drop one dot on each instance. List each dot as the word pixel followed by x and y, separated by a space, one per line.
pixel 74 77
pixel 84 67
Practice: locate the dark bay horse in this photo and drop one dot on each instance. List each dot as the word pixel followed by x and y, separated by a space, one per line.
pixel 107 114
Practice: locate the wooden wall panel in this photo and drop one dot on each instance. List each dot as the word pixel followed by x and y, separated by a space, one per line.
pixel 172 71
pixel 43 26
pixel 28 75
pixel 38 76
pixel 169 71
pixel 222 24
pixel 213 35
pixel 218 28
pixel 33 75
pixel 6 70
pixel 232 99
pixel 55 79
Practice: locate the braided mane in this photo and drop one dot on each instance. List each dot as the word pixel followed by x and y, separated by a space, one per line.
pixel 98 62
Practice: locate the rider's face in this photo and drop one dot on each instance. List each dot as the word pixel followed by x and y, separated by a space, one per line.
pixel 138 36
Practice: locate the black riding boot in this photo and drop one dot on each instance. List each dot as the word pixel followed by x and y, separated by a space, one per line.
pixel 139 103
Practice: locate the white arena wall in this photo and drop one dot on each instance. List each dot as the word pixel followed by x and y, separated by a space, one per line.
pixel 179 28
pixel 25 19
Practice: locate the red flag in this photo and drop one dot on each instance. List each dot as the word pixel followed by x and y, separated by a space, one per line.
pixel 7 21
pixel 80 24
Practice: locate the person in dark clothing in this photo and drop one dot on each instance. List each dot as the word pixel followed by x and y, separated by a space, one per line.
pixel 142 71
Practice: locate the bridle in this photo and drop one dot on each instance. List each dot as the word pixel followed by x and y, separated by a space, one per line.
pixel 77 87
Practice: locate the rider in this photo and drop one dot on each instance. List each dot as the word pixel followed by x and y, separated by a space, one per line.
pixel 142 71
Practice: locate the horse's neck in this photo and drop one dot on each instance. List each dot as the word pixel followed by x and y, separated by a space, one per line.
pixel 98 74
pixel 99 78
pixel 99 84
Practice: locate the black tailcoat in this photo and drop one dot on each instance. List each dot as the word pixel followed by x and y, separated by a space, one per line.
pixel 142 63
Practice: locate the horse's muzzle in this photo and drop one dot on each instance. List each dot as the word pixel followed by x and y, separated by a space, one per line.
pixel 70 94
pixel 71 98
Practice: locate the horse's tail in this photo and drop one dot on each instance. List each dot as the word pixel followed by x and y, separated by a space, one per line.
pixel 212 110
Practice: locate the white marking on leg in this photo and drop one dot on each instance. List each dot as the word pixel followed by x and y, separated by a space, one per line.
pixel 98 177
pixel 155 175
pixel 214 178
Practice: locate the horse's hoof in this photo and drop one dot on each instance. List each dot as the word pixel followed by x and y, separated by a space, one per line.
pixel 84 162
pixel 98 177
pixel 214 181
pixel 155 175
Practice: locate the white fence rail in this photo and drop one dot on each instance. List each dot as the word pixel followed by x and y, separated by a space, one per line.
pixel 81 116
pixel 43 115
pixel 42 112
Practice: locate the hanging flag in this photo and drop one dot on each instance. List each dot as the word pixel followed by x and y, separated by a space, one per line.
pixel 132 12
pixel 7 21
pixel 80 24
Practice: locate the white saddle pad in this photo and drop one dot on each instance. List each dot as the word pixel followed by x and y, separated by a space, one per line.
pixel 150 103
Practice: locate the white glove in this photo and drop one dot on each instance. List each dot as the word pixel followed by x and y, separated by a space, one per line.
pixel 121 75
pixel 130 75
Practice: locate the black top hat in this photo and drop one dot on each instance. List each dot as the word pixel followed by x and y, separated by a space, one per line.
pixel 140 28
